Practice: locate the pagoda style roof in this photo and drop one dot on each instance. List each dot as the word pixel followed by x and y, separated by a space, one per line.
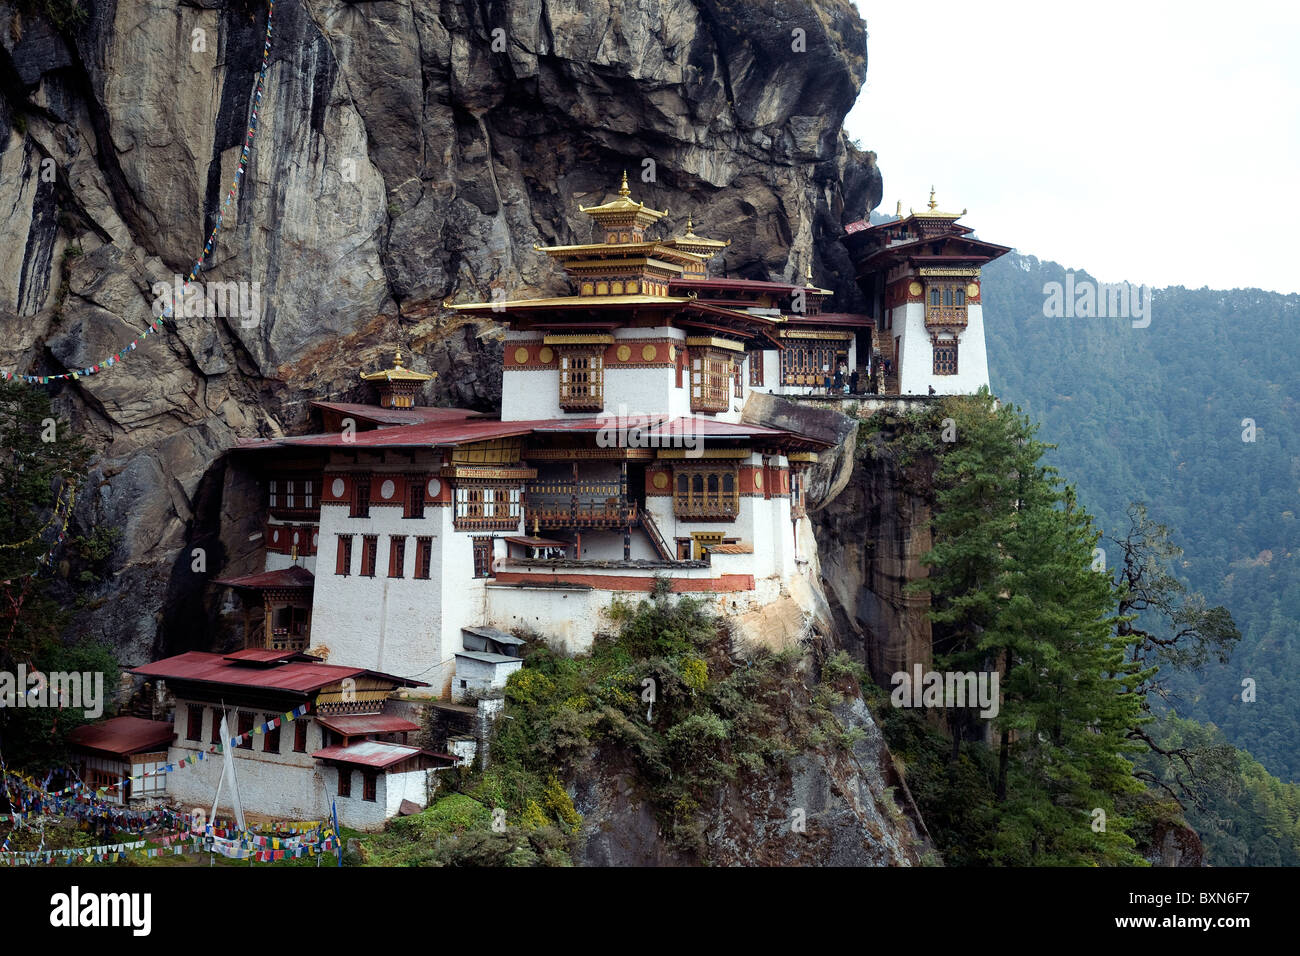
pixel 624 204
pixel 397 373
pixel 291 676
pixel 571 302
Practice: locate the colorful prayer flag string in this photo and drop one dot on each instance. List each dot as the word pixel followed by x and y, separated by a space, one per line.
pixel 168 310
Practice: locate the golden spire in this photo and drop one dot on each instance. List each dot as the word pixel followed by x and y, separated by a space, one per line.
pixel 690 226
pixel 933 204
pixel 898 210
pixel 808 275
pixel 623 190
pixel 397 359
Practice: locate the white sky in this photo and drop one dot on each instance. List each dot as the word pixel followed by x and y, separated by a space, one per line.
pixel 1146 141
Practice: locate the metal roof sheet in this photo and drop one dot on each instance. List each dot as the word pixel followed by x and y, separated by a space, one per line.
pixel 487 657
pixel 492 634
pixel 123 735
pixel 355 725
pixel 293 677
pixel 374 753
pixel 290 577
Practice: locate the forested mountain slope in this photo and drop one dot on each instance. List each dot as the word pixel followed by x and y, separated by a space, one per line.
pixel 1159 414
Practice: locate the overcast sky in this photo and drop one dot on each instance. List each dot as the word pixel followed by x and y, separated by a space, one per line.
pixel 1144 141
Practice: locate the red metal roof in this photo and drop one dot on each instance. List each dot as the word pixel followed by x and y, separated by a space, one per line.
pixel 121 736
pixel 294 677
pixel 356 725
pixel 424 435
pixel 375 754
pixel 401 416
pixel 291 577
pixel 265 655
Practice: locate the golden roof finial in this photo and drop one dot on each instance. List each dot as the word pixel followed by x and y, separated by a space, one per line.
pixel 808 275
pixel 898 210
pixel 933 204
pixel 397 359
pixel 623 190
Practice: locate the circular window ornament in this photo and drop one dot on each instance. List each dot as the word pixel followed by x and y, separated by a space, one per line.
pixel 758 479
pixel 660 480
pixel 521 356
pixel 336 489
pixel 624 353
pixel 434 487
pixel 914 289
pixel 648 353
pixel 295 537
pixel 672 353
pixel 315 540
pixel 275 535
pixel 545 355
pixel 387 489
pixel 972 290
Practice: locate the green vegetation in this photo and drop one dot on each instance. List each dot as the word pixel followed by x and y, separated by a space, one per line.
pixel 663 698
pixel 41 458
pixel 1156 415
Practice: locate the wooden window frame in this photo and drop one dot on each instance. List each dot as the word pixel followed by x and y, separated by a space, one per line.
pixel 710 375
pixel 701 493
pixel 950 307
pixel 345 781
pixel 300 736
pixel 582 386
pixel 423 557
pixel 755 369
pixel 801 364
pixel 396 555
pixel 482 560
pixel 369 555
pixel 247 721
pixel 413 505
pixel 271 741
pixel 360 504
pixel 487 506
pixel 194 722
pixel 369 785
pixel 343 556
pixel 216 727
pixel 942 364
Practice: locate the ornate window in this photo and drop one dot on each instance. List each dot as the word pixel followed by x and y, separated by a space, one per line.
pixel 737 373
pixel 396 555
pixel 946 304
pixel 582 380
pixel 755 368
pixel 945 357
pixel 807 364
pixel 493 506
pixel 710 371
pixel 483 557
pixel 707 493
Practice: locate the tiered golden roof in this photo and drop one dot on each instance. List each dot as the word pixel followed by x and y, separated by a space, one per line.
pixel 398 373
pixel 932 210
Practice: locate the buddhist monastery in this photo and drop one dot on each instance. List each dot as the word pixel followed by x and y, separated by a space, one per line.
pixel 921 274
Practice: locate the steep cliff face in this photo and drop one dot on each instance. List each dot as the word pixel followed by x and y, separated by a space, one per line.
pixel 407 152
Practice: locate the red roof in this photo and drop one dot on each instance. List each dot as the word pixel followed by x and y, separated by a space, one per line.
pixel 266 655
pixel 361 724
pixel 375 754
pixel 424 435
pixel 292 677
pixel 852 319
pixel 401 416
pixel 291 577
pixel 120 736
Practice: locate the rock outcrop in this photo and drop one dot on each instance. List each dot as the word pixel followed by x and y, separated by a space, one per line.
pixel 407 152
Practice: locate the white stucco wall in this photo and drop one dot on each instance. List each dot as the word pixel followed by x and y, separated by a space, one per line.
pixel 917 366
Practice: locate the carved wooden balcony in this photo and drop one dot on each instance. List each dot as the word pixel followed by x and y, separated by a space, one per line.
pixel 949 317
